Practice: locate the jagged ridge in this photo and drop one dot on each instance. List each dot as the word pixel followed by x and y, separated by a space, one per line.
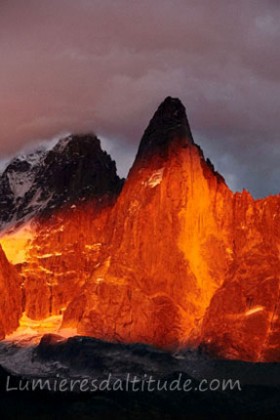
pixel 75 169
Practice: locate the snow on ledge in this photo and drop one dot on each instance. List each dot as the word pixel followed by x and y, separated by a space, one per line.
pixel 155 179
pixel 254 310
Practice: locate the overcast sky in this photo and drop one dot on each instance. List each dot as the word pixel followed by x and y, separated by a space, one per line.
pixel 105 65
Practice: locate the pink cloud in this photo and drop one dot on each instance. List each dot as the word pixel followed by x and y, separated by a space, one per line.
pixel 105 66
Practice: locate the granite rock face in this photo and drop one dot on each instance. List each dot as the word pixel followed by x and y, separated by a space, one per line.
pixel 167 231
pixel 242 321
pixel 63 254
pixel 188 262
pixel 11 296
pixel 171 258
pixel 75 184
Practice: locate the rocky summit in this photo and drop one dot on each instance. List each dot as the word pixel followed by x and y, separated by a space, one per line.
pixel 172 258
pixel 74 170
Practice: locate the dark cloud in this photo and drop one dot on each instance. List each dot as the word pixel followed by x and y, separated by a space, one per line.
pixel 105 65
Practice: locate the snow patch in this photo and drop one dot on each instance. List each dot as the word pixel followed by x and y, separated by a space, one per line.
pixel 32 158
pixel 93 246
pixel 55 254
pixel 155 179
pixel 16 351
pixel 20 183
pixel 62 144
pixel 254 310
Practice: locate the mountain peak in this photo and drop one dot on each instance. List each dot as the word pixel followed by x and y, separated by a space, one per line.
pixel 171 107
pixel 76 169
pixel 77 143
pixel 168 123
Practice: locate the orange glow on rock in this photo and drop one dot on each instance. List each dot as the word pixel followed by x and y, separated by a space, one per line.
pixel 177 260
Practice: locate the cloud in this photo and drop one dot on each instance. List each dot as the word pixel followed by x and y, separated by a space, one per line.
pixel 106 65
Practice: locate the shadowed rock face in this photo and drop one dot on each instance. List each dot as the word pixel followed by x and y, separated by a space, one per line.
pixel 173 258
pixel 76 169
pixel 11 296
pixel 169 122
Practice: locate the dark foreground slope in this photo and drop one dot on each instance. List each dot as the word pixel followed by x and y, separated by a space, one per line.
pixel 81 358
